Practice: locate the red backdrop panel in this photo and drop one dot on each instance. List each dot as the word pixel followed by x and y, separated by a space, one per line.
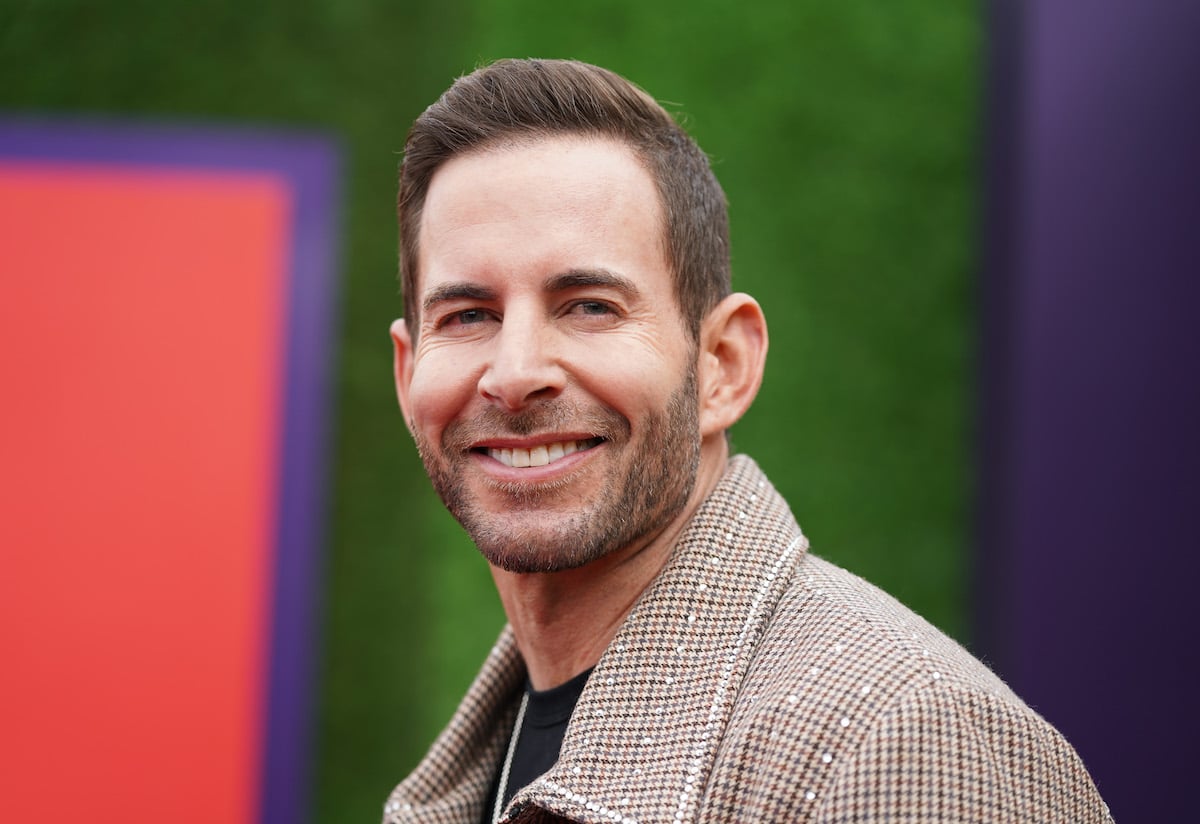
pixel 140 332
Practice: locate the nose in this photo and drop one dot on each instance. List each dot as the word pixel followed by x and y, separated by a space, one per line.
pixel 522 367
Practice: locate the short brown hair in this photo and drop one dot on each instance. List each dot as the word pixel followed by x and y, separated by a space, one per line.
pixel 516 100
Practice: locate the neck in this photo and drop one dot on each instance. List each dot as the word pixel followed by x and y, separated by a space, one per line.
pixel 563 621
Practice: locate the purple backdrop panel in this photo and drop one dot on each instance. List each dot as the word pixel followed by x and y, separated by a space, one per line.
pixel 1091 396
pixel 308 165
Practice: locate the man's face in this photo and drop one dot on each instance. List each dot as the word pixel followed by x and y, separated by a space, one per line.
pixel 552 389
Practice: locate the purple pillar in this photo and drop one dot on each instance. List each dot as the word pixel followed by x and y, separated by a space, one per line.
pixel 1090 457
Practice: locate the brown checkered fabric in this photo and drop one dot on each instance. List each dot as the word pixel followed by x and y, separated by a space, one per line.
pixel 755 682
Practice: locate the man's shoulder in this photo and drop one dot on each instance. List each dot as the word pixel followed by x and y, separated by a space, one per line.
pixel 832 623
pixel 839 652
pixel 851 697
pixel 828 638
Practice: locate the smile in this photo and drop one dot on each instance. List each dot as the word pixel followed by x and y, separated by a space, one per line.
pixel 541 454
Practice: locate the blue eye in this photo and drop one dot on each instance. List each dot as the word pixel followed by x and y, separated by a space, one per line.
pixel 593 307
pixel 470 316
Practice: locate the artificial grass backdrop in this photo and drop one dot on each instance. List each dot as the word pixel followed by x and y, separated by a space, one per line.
pixel 844 134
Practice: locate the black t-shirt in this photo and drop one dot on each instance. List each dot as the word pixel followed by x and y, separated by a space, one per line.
pixel 540 737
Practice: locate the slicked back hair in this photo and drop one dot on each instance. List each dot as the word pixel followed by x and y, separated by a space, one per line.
pixel 515 101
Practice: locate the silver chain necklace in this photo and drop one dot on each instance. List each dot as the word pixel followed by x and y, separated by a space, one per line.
pixel 512 748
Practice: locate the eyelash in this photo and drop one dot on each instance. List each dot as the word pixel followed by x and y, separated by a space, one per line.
pixel 456 318
pixel 459 316
pixel 604 308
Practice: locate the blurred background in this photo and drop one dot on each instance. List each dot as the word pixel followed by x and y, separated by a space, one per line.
pixel 882 162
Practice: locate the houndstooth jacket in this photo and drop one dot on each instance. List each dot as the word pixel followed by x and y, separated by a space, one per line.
pixel 755 682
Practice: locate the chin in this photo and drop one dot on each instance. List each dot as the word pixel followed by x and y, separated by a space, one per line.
pixel 525 563
pixel 512 552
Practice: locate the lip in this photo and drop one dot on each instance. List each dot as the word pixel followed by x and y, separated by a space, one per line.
pixel 552 471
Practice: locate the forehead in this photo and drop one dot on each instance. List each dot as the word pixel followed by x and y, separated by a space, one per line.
pixel 563 200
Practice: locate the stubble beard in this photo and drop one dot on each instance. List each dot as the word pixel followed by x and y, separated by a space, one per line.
pixel 647 487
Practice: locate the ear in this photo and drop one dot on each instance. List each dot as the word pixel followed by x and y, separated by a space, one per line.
pixel 733 353
pixel 402 366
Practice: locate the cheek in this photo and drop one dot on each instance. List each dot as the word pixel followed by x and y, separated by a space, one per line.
pixel 634 383
pixel 438 392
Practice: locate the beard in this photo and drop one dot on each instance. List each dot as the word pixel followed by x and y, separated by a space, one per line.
pixel 646 483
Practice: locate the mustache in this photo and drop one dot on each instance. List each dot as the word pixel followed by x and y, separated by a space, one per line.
pixel 549 416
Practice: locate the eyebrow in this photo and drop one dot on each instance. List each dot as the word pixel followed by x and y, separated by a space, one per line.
pixel 456 291
pixel 570 279
pixel 576 278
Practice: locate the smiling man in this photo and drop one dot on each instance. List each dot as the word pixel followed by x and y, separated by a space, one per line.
pixel 569 362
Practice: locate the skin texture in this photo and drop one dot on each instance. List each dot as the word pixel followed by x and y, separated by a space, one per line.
pixel 549 316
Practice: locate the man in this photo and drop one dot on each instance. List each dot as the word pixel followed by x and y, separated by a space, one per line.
pixel 570 360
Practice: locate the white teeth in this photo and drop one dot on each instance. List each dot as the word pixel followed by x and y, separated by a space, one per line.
pixel 535 456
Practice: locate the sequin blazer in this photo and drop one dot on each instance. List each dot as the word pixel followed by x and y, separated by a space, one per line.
pixel 754 682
